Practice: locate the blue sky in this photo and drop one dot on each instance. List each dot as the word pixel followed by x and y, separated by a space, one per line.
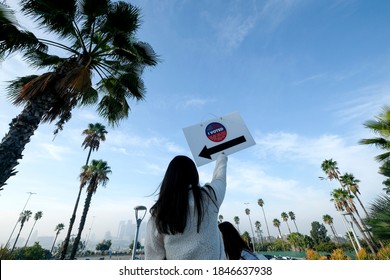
pixel 304 76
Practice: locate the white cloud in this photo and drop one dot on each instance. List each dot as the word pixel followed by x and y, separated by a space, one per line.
pixel 276 11
pixel 195 102
pixel 53 151
pixel 232 30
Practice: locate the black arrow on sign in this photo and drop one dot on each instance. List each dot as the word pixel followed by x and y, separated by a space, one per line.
pixel 207 152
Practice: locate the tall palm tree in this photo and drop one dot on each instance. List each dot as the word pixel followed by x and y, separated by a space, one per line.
pixel 344 197
pixel 38 215
pixel 248 212
pixel 236 220
pixel 351 183
pixel 329 221
pixel 276 224
pixel 284 216
pixel 23 218
pixel 329 166
pixel 258 230
pixel 92 176
pixel 58 229
pixel 343 202
pixel 97 39
pixel 291 214
pixel 93 135
pixel 260 202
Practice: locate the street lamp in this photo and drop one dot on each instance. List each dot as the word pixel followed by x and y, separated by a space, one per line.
pixel 30 194
pixel 138 220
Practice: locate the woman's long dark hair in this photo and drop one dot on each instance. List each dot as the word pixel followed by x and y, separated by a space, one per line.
pixel 171 208
pixel 232 241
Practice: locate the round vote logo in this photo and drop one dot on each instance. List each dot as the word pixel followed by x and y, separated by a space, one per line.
pixel 216 132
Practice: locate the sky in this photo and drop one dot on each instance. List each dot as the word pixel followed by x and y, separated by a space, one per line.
pixel 303 75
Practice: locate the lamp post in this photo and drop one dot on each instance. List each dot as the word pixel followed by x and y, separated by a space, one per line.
pixel 138 220
pixel 30 194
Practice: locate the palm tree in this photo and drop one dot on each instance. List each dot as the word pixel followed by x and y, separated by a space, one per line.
pixel 329 221
pixel 237 222
pixel 379 220
pixel 385 171
pixel 329 166
pixel 291 214
pixel 260 202
pixel 276 224
pixel 248 212
pixel 220 218
pixel 381 127
pixel 351 183
pixel 92 176
pixel 285 219
pixel 258 230
pixel 344 198
pixel 38 215
pixel 58 229
pixel 93 135
pixel 97 39
pixel 343 202
pixel 23 218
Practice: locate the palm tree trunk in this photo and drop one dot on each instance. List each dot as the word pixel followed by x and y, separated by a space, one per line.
pixel 366 230
pixel 71 223
pixel 266 224
pixel 28 238
pixel 17 237
pixel 82 224
pixel 289 230
pixel 73 218
pixel 334 233
pixel 296 226
pixel 361 205
pixel 21 129
pixel 54 242
pixel 368 240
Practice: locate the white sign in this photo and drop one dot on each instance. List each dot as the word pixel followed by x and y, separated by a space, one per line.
pixel 227 134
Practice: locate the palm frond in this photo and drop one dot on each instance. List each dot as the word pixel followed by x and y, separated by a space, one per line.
pixel 146 54
pixel 76 80
pixel 56 16
pixel 25 88
pixel 15 86
pixel 12 38
pixel 90 96
pixel 121 17
pixel 40 59
pixel 383 157
pixel 113 108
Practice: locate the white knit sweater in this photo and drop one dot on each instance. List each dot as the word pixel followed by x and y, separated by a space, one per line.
pixel 191 245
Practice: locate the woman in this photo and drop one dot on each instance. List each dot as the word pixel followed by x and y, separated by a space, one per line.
pixel 183 222
pixel 235 247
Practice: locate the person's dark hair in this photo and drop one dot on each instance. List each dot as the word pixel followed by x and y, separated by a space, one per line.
pixel 171 208
pixel 232 241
